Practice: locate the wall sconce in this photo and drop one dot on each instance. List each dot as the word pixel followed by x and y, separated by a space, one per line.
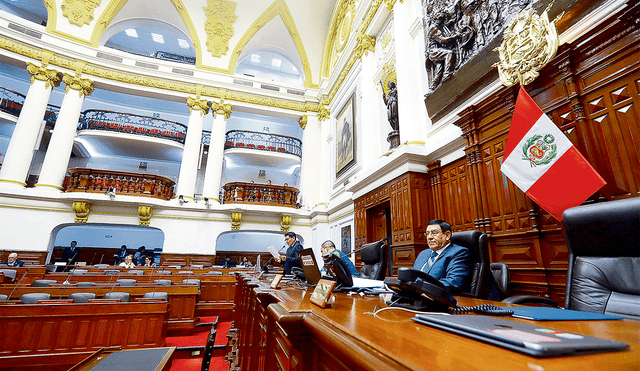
pixel 206 202
pixel 182 200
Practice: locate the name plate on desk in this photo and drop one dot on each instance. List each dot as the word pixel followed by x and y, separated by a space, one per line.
pixel 276 281
pixel 322 292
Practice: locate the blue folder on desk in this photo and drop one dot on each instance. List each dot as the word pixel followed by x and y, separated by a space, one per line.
pixel 558 314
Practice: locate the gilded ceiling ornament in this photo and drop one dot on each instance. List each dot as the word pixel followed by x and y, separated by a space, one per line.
pixel 236 220
pixel 82 210
pixel 79 12
pixel 201 105
pixel 323 114
pixel 303 121
pixel 365 43
pixel 386 41
pixel 219 25
pixel 391 3
pixel 50 77
pixel 144 214
pixel 285 224
pixel 84 86
pixel 530 42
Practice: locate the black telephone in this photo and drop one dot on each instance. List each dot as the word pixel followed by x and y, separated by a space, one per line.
pixel 419 291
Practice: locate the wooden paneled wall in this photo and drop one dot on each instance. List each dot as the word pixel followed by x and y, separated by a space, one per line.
pixel 591 91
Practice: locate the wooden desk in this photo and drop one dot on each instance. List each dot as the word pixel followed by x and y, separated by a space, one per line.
pixel 151 359
pixel 282 330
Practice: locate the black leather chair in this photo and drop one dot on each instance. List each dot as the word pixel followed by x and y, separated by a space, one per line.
pixel 374 259
pixel 161 282
pixel 34 297
pixel 156 295
pixel 479 286
pixel 502 276
pixel 3 297
pixel 123 296
pixel 11 273
pixel 43 283
pixel 603 274
pixel 126 282
pixel 81 297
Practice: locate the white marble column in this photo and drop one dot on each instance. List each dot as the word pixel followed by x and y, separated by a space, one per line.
pixel 412 112
pixel 213 174
pixel 25 135
pixel 312 157
pixel 189 165
pixel 56 160
pixel 369 119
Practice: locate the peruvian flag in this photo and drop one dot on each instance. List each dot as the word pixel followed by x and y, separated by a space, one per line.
pixel 543 163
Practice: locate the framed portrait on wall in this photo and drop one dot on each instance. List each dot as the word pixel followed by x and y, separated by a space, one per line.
pixel 346 136
pixel 345 239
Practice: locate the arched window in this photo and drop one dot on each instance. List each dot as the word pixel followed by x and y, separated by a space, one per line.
pixel 270 65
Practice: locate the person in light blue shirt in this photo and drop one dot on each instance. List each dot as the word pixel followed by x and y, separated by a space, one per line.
pixel 328 247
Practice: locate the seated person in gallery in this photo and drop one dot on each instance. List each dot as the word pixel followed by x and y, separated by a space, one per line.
pixel 148 262
pixel 71 254
pixel 290 259
pixel 228 262
pixel 138 257
pixel 448 263
pixel 328 247
pixel 12 260
pixel 120 255
pixel 128 262
pixel 246 262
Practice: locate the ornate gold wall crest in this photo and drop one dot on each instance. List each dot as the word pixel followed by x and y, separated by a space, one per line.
pixel 144 214
pixel 303 121
pixel 236 220
pixel 285 224
pixel 82 210
pixel 219 26
pixel 530 42
pixel 79 12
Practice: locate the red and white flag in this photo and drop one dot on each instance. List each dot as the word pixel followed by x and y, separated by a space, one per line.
pixel 543 162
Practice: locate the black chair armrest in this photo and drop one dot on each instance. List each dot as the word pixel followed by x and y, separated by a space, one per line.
pixel 528 299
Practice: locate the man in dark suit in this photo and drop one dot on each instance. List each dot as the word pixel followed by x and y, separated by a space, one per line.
pixel 13 261
pixel 443 260
pixel 71 254
pixel 291 260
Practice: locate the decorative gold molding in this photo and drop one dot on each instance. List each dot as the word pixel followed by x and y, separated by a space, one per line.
pixel 219 25
pixel 530 42
pixel 79 12
pixel 82 210
pixel 144 214
pixel 49 76
pixel 221 109
pixel 386 41
pixel 285 224
pixel 323 114
pixel 13 181
pixel 365 44
pixel 391 3
pixel 201 105
pixel 236 220
pixel 83 86
pixel 302 121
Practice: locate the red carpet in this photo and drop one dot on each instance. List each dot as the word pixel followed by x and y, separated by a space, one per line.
pixel 182 362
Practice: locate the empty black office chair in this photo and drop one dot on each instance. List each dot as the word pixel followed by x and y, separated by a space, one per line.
pixel 43 283
pixel 192 280
pixel 137 272
pixel 111 272
pixel 34 297
pixel 163 272
pixel 3 297
pixel 502 276
pixel 479 284
pixel 208 349
pixel 79 272
pixel 126 282
pixel 156 295
pixel 11 273
pixel 102 266
pixel 50 268
pixel 85 284
pixel 81 297
pixel 214 273
pixel 374 259
pixel 123 296
pixel 161 282
pixel 185 272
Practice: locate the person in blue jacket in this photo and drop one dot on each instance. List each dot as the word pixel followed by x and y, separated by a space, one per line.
pixel 328 247
pixel 444 261
pixel 291 260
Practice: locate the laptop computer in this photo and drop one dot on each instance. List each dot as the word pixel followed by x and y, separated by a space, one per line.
pixel 529 339
pixel 558 314
pixel 309 266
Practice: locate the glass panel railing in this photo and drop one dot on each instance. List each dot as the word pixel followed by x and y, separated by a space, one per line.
pixel 260 194
pixel 263 141
pixel 133 124
pixel 123 183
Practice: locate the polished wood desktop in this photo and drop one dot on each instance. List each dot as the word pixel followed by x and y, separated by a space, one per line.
pixel 282 330
pixel 150 359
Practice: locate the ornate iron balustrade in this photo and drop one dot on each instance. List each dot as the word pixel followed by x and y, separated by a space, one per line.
pixel 263 141
pixel 132 184
pixel 133 124
pixel 260 194
pixel 11 102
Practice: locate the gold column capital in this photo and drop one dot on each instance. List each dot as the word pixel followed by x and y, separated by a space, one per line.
pixel 285 224
pixel 303 121
pixel 323 114
pixel 49 76
pixel 201 105
pixel 144 214
pixel 365 44
pixel 82 210
pixel 83 86
pixel 221 109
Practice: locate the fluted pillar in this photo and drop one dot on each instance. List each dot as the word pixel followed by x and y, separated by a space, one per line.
pixel 412 112
pixel 56 160
pixel 213 174
pixel 369 121
pixel 189 165
pixel 25 135
pixel 311 172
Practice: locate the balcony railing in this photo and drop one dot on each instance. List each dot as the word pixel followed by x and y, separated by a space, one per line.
pixel 133 124
pixel 11 102
pixel 263 142
pixel 133 184
pixel 260 194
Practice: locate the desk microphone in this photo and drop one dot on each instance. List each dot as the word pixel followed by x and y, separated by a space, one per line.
pixel 94 256
pixel 21 278
pixel 101 257
pixel 66 283
pixel 270 261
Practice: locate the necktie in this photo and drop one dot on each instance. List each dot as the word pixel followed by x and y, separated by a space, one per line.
pixel 432 259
